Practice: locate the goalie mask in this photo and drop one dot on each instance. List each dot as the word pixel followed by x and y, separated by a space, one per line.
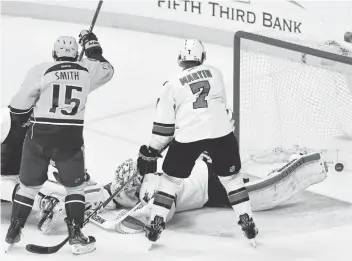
pixel 128 197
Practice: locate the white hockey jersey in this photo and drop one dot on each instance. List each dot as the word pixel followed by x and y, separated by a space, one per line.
pixel 58 90
pixel 192 194
pixel 192 107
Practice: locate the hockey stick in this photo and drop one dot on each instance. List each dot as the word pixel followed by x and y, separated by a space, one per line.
pixel 53 249
pixel 104 223
pixel 50 250
pixel 95 17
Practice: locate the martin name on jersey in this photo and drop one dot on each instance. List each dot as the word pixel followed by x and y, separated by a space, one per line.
pixel 201 115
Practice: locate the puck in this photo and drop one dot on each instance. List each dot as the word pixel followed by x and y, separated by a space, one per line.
pixel 245 180
pixel 339 167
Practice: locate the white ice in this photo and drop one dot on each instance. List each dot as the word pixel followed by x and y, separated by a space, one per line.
pixel 119 118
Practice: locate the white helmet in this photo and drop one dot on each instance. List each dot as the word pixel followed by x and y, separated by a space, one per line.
pixel 5 122
pixel 192 50
pixel 65 46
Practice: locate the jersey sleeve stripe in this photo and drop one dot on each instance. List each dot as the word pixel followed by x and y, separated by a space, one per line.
pixel 164 124
pixel 163 129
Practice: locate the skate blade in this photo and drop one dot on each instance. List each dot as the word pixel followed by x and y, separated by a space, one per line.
pixel 254 243
pixel 8 247
pixel 81 250
pixel 150 245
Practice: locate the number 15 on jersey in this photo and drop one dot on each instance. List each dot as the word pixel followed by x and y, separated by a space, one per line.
pixel 65 100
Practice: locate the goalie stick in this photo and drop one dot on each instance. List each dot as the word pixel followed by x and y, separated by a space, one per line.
pixel 95 17
pixel 53 249
pixel 116 224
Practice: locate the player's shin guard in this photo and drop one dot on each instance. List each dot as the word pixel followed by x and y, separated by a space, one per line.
pixel 239 200
pixel 164 199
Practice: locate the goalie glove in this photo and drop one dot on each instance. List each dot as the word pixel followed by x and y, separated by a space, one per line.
pixel 147 160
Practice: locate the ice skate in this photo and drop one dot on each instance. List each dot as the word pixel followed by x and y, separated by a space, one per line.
pixel 52 209
pixel 248 227
pixel 153 231
pixel 13 234
pixel 79 243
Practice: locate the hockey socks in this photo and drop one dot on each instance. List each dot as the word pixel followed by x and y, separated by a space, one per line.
pixel 22 207
pixel 164 199
pixel 239 200
pixel 75 207
pixel 165 196
pixel 237 194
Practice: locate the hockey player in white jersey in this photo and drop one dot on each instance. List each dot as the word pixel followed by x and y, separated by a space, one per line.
pixel 194 103
pixel 53 97
pixel 201 189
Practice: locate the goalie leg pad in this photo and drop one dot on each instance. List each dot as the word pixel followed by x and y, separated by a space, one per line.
pixel 292 178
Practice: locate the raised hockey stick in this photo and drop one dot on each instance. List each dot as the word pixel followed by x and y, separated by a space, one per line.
pixel 53 249
pixel 95 17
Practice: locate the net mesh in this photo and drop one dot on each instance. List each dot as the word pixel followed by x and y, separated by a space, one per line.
pixel 292 102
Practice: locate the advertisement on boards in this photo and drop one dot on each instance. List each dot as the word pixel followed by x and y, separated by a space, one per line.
pixel 288 16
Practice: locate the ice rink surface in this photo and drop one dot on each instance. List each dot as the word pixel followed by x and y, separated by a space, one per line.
pixel 119 119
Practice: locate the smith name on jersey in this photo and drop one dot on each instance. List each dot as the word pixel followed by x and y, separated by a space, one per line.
pixel 58 91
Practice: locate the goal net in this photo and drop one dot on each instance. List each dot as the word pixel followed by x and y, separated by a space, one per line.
pixel 291 98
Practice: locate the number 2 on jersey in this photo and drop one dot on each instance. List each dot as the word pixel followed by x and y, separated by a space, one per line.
pixel 68 98
pixel 203 87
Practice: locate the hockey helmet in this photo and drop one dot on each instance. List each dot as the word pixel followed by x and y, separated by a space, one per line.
pixel 192 50
pixel 65 47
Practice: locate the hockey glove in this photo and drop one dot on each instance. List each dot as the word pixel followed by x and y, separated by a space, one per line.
pixel 147 160
pixel 90 43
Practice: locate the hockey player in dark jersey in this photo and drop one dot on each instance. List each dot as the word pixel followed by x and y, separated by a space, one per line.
pixel 52 101
pixel 201 189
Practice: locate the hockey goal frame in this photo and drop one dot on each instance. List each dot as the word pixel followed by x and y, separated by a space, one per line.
pixel 304 50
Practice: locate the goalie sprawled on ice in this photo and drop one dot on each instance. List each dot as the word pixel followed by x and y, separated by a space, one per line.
pixel 201 189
